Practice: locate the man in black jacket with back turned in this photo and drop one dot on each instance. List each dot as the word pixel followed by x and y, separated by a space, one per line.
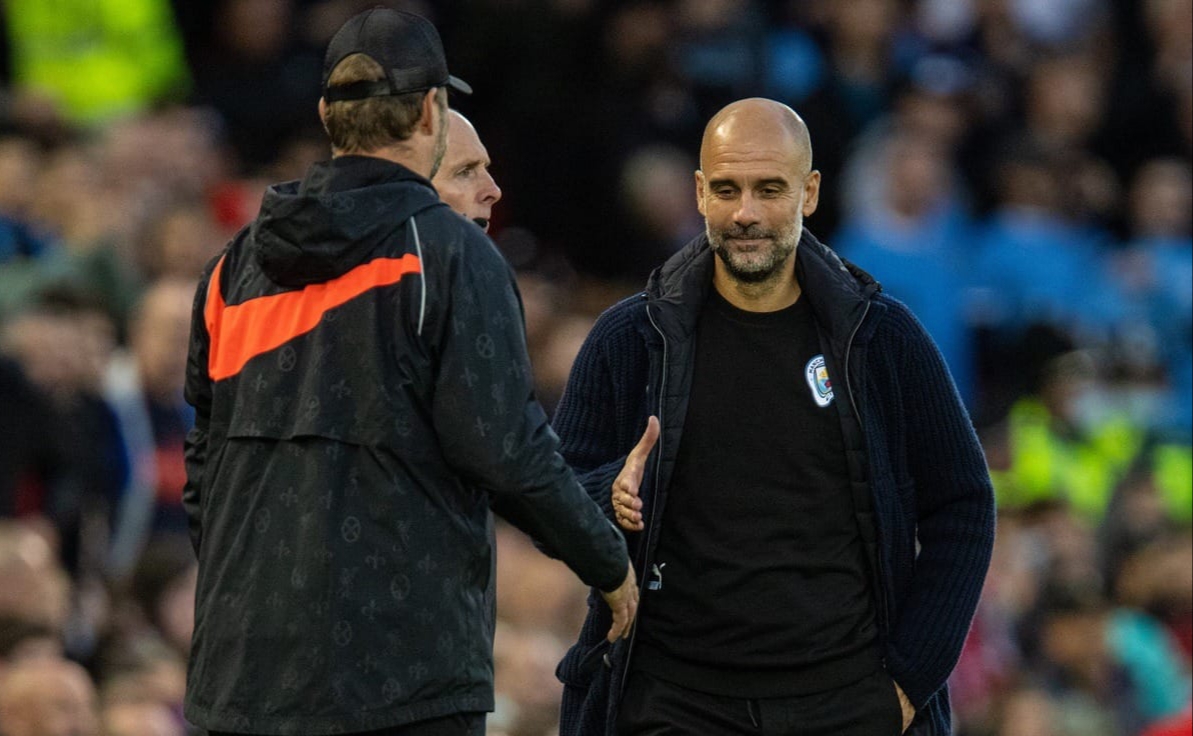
pixel 359 372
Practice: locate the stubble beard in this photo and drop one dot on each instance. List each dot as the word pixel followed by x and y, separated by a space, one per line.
pixel 440 149
pixel 748 269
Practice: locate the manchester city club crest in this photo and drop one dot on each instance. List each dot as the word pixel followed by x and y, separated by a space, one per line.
pixel 822 386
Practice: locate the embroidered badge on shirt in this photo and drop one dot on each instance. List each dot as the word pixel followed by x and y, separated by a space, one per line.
pixel 818 381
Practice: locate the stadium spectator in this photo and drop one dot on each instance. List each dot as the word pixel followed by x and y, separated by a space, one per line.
pixel 48 697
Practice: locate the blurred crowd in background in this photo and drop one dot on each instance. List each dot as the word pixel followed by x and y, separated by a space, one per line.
pixel 1017 171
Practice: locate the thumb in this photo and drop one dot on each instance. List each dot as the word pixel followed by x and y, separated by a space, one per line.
pixel 649 438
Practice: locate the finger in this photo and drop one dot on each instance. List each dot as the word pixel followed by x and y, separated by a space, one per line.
pixel 628 481
pixel 631 614
pixel 627 501
pixel 647 443
pixel 619 623
pixel 629 524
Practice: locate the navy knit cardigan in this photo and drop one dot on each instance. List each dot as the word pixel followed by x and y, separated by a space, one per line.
pixel 923 466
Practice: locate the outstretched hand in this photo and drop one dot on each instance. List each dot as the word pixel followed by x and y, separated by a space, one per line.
pixel 624 604
pixel 627 506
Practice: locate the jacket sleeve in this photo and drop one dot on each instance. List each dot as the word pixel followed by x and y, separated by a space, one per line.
pixel 198 390
pixel 954 515
pixel 596 423
pixel 494 432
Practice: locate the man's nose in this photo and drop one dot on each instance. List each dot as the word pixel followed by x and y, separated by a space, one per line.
pixel 490 192
pixel 746 213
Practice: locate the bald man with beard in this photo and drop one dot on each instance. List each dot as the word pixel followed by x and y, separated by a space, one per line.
pixel 809 508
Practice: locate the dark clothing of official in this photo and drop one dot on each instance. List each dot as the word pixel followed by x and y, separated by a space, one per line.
pixel 363 395
pixel 924 502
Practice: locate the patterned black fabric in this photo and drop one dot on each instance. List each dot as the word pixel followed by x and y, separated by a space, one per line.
pixel 339 483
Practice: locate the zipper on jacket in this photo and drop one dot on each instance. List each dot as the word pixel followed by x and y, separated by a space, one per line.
pixel 422 272
pixel 879 588
pixel 651 526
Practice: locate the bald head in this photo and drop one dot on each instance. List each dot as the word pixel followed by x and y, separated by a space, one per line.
pixel 762 125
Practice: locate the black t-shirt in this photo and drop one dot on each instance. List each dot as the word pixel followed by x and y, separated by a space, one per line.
pixel 759 587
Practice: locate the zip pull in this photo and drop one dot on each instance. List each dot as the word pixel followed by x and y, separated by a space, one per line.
pixel 657 572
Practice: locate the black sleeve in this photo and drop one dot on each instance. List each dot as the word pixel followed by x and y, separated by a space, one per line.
pixel 198 392
pixel 494 432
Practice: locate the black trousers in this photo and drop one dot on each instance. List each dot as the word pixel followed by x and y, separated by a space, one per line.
pixel 459 724
pixel 655 707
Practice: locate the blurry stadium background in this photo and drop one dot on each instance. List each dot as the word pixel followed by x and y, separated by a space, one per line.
pixel 1018 171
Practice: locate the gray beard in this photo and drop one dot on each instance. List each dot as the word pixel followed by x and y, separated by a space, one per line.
pixel 783 244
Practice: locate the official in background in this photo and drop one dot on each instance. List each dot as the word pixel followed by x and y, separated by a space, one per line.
pixel 463 180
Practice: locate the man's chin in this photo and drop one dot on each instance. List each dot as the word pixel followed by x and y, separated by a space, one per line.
pixel 747 271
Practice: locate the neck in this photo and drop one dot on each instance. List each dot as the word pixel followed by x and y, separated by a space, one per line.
pixel 409 156
pixel 778 292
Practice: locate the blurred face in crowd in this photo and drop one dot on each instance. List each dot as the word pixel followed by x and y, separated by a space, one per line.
pixel 63 353
pixel 463 179
pixel 917 175
pixel 48 697
pixel 35 586
pixel 140 719
pixel 1161 200
pixel 754 188
pixel 160 337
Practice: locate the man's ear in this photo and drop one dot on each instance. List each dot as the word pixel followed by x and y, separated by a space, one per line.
pixel 700 191
pixel 426 119
pixel 811 193
pixel 323 113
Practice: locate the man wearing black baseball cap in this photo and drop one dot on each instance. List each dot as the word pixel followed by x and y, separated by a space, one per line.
pixel 363 397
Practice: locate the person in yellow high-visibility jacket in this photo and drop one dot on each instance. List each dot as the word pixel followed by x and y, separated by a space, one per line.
pixel 96 60
pixel 1051 456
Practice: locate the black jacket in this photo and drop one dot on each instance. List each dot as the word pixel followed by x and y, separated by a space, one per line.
pixel 359 373
pixel 922 491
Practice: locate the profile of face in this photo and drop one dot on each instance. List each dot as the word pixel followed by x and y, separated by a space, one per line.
pixel 463 180
pixel 754 188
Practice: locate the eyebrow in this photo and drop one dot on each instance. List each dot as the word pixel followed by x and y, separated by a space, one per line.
pixel 470 164
pixel 780 181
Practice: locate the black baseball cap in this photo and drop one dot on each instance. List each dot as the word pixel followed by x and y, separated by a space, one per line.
pixel 406 45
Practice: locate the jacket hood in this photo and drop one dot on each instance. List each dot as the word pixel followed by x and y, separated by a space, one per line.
pixel 837 289
pixel 321 227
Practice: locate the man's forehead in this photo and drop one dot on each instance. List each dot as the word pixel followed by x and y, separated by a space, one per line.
pixel 744 162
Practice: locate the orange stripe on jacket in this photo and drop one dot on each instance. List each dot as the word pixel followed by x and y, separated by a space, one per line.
pixel 241 332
